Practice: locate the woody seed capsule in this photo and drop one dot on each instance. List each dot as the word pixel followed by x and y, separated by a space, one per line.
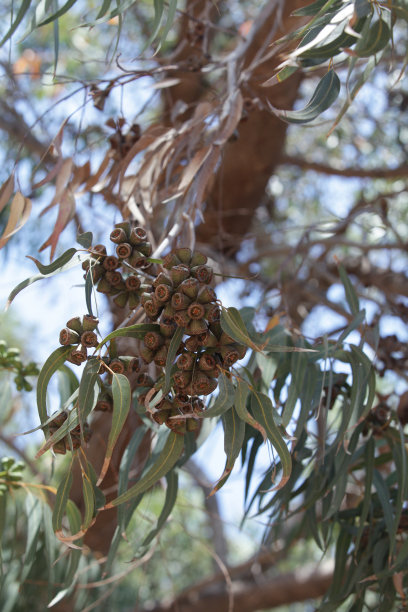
pixel 145 249
pixel 75 324
pixel 184 254
pixel 68 336
pixel 198 259
pixel 118 235
pixel 113 277
pixel 121 299
pixel 180 301
pixel 137 236
pixel 203 274
pixel 117 366
pixel 153 340
pixel 132 283
pixel 190 287
pixel 124 250
pixel 89 322
pixel 161 356
pixel 186 361
pixel 179 274
pixel 78 355
pixel 196 311
pixel 89 339
pixel 163 293
pixel 110 263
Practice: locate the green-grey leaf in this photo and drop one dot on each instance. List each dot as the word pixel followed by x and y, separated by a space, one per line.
pixel 54 361
pixel 262 410
pixel 351 295
pixel 25 5
pixel 224 399
pixel 166 460
pixel 85 239
pixel 121 394
pixel 378 37
pixel 233 325
pixel 88 390
pixel 61 499
pixel 171 355
pixel 56 264
pixel 170 500
pixel 326 93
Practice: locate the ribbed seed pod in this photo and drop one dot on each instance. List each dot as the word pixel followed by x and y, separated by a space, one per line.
pixel 167 326
pixel 121 299
pixel 118 235
pixel 170 260
pixel 145 297
pixel 68 336
pixel 138 236
pixel 206 362
pixel 229 355
pixel 132 283
pixel 181 318
pixel 163 293
pixel 103 363
pixel 152 309
pixel 111 262
pixel 89 339
pixel 198 259
pixel 97 271
pixel 153 340
pixel 196 327
pixel 184 254
pixel 202 385
pixel 209 341
pixel 206 295
pixel 182 378
pixel 179 274
pixel 98 250
pixel 226 339
pixel 182 402
pixel 132 364
pixel 113 277
pixel 145 249
pixel 104 286
pixel 124 250
pixel 190 287
pixel 212 313
pixel 176 423
pixel 203 274
pixel 161 356
pixel 147 354
pixel 134 300
pixel 89 322
pixel 192 343
pixel 164 404
pixel 196 311
pixel 78 355
pixel 186 361
pixel 138 261
pixel 162 279
pixel 169 312
pixel 75 324
pixel 117 366
pixel 180 301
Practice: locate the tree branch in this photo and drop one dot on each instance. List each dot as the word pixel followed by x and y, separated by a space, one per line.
pixel 304 164
pixel 309 582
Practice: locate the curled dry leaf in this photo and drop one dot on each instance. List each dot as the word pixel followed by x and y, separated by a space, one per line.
pixel 20 210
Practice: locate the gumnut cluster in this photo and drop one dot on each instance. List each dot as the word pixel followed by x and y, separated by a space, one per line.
pixel 181 297
pixel 185 333
pixel 71 441
pixel 118 275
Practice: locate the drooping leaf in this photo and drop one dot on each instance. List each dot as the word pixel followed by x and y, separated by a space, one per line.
pixel 121 394
pixel 326 93
pixel 224 399
pixel 25 5
pixel 378 37
pixel 171 355
pixel 164 463
pixel 240 402
pixel 55 265
pixel 262 410
pixel 58 13
pixel 233 325
pixel 34 521
pixel 351 295
pixel 234 433
pixel 88 496
pixel 54 361
pixel 29 281
pixel 61 499
pixel 169 502
pixel 20 209
pixel 88 390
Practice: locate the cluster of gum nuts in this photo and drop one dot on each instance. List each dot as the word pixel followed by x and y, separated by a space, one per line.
pixel 178 296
